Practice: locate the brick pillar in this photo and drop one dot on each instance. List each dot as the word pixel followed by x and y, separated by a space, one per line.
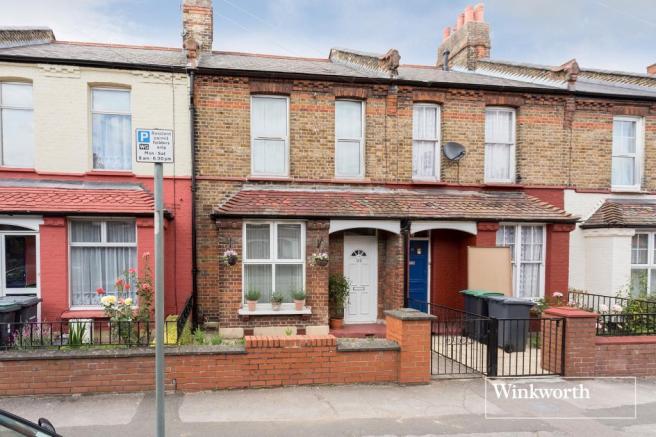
pixel 580 330
pixel 557 262
pixel 411 329
pixel 53 237
pixel 487 234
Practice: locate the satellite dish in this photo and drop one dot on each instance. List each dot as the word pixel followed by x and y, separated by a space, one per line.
pixel 454 151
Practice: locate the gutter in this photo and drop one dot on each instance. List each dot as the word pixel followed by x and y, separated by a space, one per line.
pixel 92 63
pixel 194 260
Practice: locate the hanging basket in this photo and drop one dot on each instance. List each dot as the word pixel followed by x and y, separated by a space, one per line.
pixel 321 262
pixel 231 260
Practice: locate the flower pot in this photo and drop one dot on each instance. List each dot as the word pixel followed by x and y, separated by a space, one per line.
pixel 336 323
pixel 299 304
pixel 321 262
pixel 276 306
pixel 251 304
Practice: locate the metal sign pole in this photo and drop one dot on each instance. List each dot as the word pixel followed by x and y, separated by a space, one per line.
pixel 159 298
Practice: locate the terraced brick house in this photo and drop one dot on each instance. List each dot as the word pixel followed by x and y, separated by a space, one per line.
pixel 75 206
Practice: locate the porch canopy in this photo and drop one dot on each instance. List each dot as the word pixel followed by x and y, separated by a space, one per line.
pixel 623 213
pixel 363 204
pixel 59 197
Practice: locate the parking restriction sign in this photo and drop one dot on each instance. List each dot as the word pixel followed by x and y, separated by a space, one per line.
pixel 154 145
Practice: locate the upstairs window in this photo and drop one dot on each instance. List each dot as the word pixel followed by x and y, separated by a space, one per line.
pixel 111 129
pixel 627 153
pixel 527 248
pixel 426 141
pixel 270 136
pixel 500 145
pixel 274 259
pixel 643 264
pixel 349 139
pixel 16 125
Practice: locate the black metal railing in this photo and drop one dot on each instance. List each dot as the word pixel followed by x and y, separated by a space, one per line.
pixel 626 324
pixel 604 304
pixel 184 315
pixel 464 343
pixel 77 333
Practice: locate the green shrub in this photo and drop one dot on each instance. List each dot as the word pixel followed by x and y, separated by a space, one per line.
pixel 339 288
pixel 253 295
pixel 298 295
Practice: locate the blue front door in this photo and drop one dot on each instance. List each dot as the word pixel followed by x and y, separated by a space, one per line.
pixel 418 274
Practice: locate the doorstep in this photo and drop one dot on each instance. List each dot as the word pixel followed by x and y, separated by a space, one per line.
pixel 362 330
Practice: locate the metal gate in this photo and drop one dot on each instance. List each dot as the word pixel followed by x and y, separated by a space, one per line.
pixel 470 344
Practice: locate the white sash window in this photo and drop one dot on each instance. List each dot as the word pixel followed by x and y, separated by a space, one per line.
pixel 269 135
pixel 499 145
pixel 426 141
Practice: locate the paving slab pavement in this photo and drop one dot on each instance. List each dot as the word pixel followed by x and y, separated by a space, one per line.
pixel 444 407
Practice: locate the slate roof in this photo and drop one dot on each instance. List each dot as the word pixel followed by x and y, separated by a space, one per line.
pixel 27 197
pixel 489 73
pixel 402 203
pixel 623 213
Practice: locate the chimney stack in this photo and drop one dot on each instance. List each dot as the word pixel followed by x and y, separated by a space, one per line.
pixel 197 28
pixel 651 69
pixel 469 41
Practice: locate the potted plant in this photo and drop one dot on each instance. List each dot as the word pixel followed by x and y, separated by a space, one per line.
pixel 276 300
pixel 338 292
pixel 230 257
pixel 320 259
pixel 252 296
pixel 299 299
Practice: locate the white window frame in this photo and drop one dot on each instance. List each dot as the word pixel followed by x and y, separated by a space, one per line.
pixel 437 140
pixel 92 112
pixel 513 146
pixel 638 155
pixel 518 253
pixel 651 258
pixel 285 173
pixel 361 140
pixel 16 108
pixel 102 243
pixel 273 256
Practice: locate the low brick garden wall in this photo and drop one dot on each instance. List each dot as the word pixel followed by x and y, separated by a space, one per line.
pixel 260 362
pixel 589 355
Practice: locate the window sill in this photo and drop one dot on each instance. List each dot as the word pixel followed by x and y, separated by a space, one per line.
pixel 632 190
pixel 17 169
pixel 83 314
pixel 503 185
pixel 428 182
pixel 257 178
pixel 110 173
pixel 266 310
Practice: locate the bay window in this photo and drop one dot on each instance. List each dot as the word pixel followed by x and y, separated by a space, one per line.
pixel 349 138
pixel 274 259
pixel 426 141
pixel 100 253
pixel 627 153
pixel 269 135
pixel 111 130
pixel 16 125
pixel 499 145
pixel 643 263
pixel 527 248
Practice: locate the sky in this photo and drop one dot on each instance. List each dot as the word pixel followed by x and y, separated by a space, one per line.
pixel 598 33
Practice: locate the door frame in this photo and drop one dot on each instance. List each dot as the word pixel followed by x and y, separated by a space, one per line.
pixel 20 291
pixel 373 240
pixel 429 271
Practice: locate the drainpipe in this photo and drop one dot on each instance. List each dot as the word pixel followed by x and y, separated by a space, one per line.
pixel 405 234
pixel 192 133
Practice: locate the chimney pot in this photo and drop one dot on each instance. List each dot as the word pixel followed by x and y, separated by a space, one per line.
pixel 651 69
pixel 469 14
pixel 461 21
pixel 446 33
pixel 479 12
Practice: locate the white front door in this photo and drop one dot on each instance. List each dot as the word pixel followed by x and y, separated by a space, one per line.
pixel 361 269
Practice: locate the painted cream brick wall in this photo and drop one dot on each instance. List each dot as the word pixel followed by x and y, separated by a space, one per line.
pixel 62 117
pixel 600 261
